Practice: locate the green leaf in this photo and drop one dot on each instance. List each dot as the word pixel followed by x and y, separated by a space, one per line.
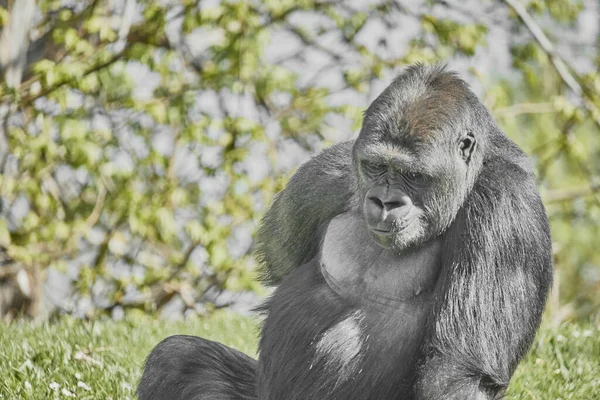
pixel 5 240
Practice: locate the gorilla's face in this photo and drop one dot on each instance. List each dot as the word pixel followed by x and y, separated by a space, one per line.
pixel 416 161
pixel 392 204
pixel 410 190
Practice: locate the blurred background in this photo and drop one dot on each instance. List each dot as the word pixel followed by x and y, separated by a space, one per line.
pixel 141 141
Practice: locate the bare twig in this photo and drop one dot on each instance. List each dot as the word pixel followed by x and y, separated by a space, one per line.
pixel 186 257
pixel 307 41
pixel 95 214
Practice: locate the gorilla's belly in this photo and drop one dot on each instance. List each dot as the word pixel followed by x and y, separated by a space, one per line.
pixel 368 340
pixel 371 350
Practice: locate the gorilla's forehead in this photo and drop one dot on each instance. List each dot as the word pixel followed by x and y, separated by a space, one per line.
pixel 426 118
pixel 424 103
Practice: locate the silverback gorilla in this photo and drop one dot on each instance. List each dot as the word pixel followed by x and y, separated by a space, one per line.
pixel 412 263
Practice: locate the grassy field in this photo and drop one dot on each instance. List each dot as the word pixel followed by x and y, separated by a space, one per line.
pixel 103 360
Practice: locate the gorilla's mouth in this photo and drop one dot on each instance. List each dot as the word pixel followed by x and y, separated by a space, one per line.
pixel 397 228
pixel 383 232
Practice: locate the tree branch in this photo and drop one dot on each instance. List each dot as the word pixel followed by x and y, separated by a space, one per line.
pixel 29 100
pixel 524 108
pixel 559 64
pixel 569 194
pixel 186 257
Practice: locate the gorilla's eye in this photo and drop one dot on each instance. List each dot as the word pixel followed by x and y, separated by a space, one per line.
pixel 414 178
pixel 373 169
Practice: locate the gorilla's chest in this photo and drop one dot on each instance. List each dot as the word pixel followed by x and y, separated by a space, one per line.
pixel 344 328
pixel 364 273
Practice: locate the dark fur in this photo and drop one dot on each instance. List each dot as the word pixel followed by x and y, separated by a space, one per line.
pixel 496 271
pixel 191 368
pixel 307 205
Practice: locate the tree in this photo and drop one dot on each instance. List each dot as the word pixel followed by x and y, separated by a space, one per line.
pixel 142 140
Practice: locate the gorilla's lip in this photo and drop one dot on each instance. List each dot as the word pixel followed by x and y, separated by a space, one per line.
pixel 383 232
pixel 390 232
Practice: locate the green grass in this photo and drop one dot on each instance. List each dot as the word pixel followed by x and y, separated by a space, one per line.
pixel 105 356
pixel 564 363
pixel 103 360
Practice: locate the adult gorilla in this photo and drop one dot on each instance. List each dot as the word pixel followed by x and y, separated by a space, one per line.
pixel 413 263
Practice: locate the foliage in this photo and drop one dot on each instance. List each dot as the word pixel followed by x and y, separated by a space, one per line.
pixel 147 138
pixel 103 359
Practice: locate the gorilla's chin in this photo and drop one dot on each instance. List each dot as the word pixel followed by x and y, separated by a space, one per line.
pixel 394 241
pixel 384 242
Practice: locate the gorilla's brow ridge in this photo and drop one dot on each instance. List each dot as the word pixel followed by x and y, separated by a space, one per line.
pixel 386 151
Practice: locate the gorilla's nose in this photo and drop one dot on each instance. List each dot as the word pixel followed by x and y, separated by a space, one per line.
pixel 383 203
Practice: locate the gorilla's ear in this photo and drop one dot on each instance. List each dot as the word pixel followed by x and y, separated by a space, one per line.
pixel 467 146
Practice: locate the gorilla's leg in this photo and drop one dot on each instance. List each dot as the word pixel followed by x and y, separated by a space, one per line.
pixel 192 368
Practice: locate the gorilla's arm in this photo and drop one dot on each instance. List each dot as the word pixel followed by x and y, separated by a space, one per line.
pixel 291 230
pixel 492 289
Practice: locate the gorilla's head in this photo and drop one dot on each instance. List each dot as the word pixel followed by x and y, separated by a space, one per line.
pixel 418 154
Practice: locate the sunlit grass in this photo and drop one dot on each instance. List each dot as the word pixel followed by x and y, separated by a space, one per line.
pixel 564 363
pixel 98 360
pixel 103 360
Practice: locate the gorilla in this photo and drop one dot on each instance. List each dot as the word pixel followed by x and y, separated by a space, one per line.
pixel 412 263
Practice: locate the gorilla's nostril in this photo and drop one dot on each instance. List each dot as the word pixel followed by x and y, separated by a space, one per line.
pixel 390 205
pixel 377 202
